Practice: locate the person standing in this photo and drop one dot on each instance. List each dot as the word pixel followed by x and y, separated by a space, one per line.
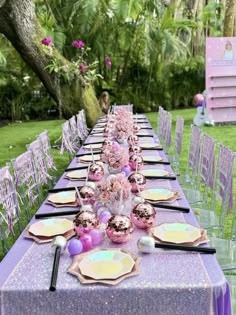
pixel 104 102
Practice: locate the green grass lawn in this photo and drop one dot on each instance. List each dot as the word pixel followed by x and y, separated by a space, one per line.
pixel 14 138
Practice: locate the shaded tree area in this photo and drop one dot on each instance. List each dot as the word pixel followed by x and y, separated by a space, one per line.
pixel 19 24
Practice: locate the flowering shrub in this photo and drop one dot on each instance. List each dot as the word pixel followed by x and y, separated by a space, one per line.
pixel 76 68
pixel 109 192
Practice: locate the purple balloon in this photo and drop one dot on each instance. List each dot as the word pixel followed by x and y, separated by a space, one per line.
pixel 75 247
pixel 96 236
pixel 104 213
pixel 105 218
pixel 126 169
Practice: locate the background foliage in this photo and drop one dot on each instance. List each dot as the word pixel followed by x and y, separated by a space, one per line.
pixel 156 49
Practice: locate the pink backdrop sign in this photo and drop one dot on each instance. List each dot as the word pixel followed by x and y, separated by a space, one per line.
pixel 221 78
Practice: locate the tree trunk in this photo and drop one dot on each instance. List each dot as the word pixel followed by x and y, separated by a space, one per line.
pixel 19 24
pixel 229 18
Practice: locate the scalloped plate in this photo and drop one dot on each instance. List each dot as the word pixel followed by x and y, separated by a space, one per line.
pixel 51 227
pixel 154 172
pixel 93 146
pixel 77 174
pixel 157 194
pixel 63 197
pixel 152 158
pixel 106 264
pixel 176 233
pixel 150 145
pixel 89 158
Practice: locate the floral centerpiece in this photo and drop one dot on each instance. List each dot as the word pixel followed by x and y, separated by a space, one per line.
pixel 109 192
pixel 115 157
pixel 123 125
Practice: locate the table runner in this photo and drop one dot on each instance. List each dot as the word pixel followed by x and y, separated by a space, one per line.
pixel 169 282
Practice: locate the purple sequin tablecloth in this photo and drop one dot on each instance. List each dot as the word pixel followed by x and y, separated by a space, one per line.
pixel 170 282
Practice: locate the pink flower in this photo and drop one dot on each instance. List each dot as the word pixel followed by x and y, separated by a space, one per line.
pixel 112 161
pixel 116 187
pixel 78 44
pixel 46 41
pixel 109 64
pixel 83 67
pixel 107 59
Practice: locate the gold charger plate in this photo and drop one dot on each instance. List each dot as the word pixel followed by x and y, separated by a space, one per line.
pixel 98 135
pixel 89 158
pixel 106 264
pixel 98 129
pixel 157 194
pixel 75 270
pixel 51 227
pixel 203 239
pixel 177 233
pixel 150 145
pixel 154 172
pixel 77 174
pixel 152 158
pixel 44 239
pixel 97 139
pixel 63 197
pixel 93 146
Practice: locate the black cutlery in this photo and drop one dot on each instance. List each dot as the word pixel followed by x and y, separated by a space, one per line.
pixel 55 190
pixel 88 153
pixel 158 162
pixel 169 207
pixel 76 168
pixel 161 177
pixel 55 214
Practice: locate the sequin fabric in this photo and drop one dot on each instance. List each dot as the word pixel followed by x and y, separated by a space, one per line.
pixel 170 282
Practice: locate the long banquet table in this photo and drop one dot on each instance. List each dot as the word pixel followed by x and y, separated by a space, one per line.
pixel 170 282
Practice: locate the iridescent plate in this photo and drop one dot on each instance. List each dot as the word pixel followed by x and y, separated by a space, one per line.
pixel 75 270
pixel 93 146
pixel 176 233
pixel 154 172
pixel 77 174
pixel 63 197
pixel 96 139
pixel 152 158
pixel 100 134
pixel 89 158
pixel 150 145
pixel 51 227
pixel 106 264
pixel 157 194
pixel 98 129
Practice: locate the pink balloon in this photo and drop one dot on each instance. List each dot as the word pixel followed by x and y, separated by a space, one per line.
pixel 198 99
pixel 86 240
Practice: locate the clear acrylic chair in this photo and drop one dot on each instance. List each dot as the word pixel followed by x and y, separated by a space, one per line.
pixel 27 181
pixel 40 161
pixel 232 284
pixel 198 192
pixel 191 172
pixel 74 132
pixel 175 159
pixel 9 207
pixel 67 144
pixel 46 147
pixel 80 128
pixel 213 218
pixel 168 131
pixel 159 119
pixel 128 107
pixel 85 129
